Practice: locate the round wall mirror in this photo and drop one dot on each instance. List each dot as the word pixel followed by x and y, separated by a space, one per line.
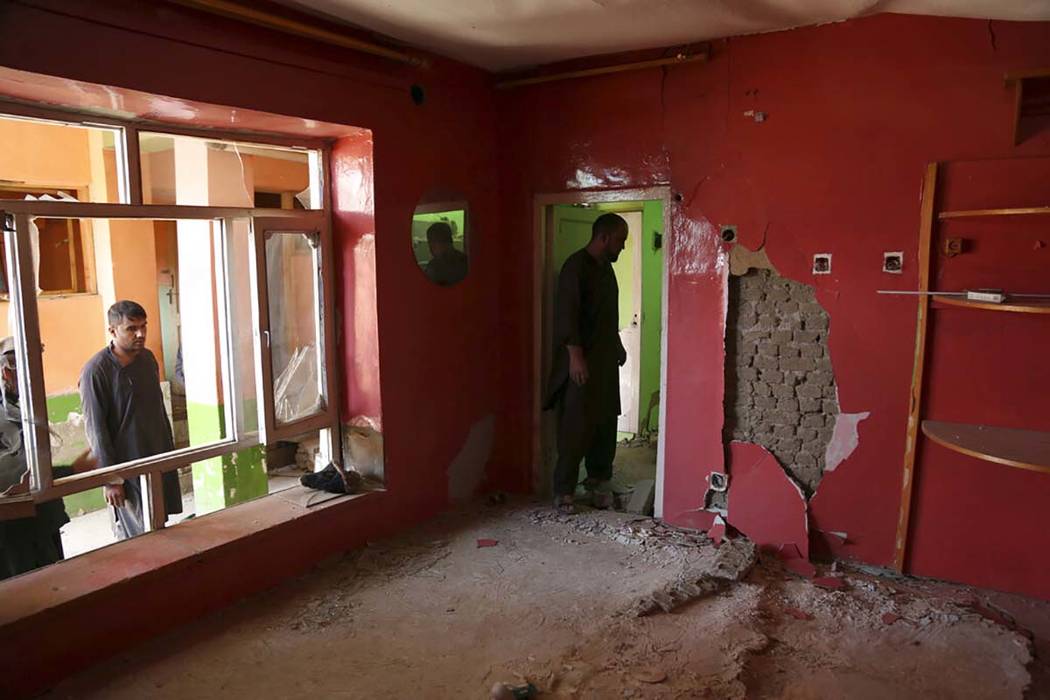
pixel 441 238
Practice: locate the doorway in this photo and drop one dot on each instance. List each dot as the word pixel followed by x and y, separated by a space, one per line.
pixel 565 223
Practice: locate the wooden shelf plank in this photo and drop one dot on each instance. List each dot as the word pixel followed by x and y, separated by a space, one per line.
pixel 1023 449
pixel 969 213
pixel 1024 307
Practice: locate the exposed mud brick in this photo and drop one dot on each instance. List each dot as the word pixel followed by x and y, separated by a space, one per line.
pixel 752 293
pixel 810 405
pixel 798 364
pixel 785 418
pixel 805 459
pixel 809 391
pixel 814 351
pixel 763 362
pixel 814 421
pixel 816 323
pixel 780 390
pixel 821 378
pixel 746 320
pixel 746 374
pixel 772 376
pixel 767 402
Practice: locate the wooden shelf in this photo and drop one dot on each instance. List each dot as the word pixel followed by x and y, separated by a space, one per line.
pixel 1023 449
pixel 1023 307
pixel 970 213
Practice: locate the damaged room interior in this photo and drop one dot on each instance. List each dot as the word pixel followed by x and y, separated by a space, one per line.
pixel 540 349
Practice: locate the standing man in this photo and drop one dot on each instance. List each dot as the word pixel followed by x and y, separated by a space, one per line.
pixel 125 416
pixel 585 377
pixel 35 541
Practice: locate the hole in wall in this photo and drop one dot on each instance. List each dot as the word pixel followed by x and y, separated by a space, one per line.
pixel 893 262
pixel 780 390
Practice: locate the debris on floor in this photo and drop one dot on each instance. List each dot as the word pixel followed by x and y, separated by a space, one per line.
pixel 556 606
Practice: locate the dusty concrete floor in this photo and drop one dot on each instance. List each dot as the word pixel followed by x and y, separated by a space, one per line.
pixel 557 601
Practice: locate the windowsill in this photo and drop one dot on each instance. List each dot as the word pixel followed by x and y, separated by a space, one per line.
pixel 52 587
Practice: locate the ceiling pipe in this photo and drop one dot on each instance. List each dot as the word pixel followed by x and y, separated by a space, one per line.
pixel 605 70
pixel 241 13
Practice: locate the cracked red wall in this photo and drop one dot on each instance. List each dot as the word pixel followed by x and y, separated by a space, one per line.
pixel 855 111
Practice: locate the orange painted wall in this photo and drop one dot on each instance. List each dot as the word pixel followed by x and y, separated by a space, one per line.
pixel 277 175
pixel 44 155
pixel 135 273
pixel 72 330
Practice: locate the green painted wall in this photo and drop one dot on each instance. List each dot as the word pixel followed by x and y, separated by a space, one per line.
pixel 222 481
pixel 652 312
pixel 84 502
pixel 573 227
pixel 61 405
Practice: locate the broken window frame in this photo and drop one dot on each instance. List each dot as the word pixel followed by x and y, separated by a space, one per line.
pixel 15 216
pixel 272 429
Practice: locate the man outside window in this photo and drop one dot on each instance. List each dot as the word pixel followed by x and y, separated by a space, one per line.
pixel 585 376
pixel 31 542
pixel 125 417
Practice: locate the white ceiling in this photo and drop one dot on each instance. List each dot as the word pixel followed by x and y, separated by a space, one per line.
pixel 505 34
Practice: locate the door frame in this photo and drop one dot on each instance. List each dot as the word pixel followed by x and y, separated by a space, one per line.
pixel 541 262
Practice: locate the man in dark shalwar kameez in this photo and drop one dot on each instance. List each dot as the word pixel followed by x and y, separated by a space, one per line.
pixel 125 417
pixel 584 384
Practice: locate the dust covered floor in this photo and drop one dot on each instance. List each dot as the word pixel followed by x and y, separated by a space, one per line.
pixel 600 605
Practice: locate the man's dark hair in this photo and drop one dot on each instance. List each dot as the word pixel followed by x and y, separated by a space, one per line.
pixel 124 309
pixel 607 224
pixel 439 233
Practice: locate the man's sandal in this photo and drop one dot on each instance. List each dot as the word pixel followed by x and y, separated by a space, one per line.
pixel 564 505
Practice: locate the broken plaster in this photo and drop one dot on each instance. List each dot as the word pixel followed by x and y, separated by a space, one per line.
pixel 844 439
pixel 743 259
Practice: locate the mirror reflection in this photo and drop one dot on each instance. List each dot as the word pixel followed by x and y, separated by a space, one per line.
pixel 440 239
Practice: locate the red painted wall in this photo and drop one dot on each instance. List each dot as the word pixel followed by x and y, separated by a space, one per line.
pixel 437 380
pixel 439 374
pixel 854 110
